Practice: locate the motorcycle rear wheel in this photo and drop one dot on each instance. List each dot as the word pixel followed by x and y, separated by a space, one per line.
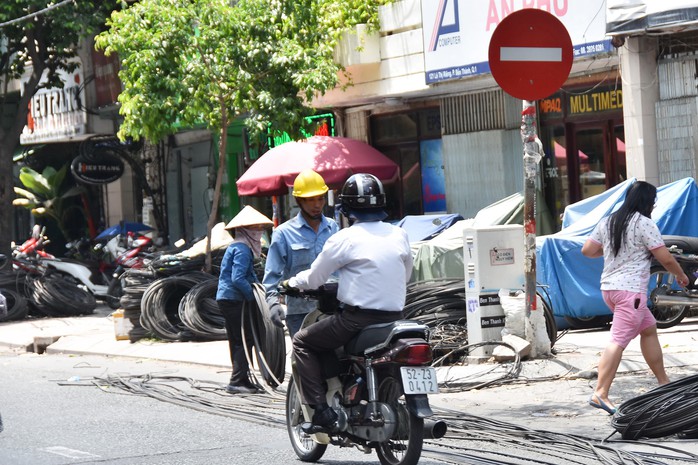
pixel 306 449
pixel 114 293
pixel 662 281
pixel 405 447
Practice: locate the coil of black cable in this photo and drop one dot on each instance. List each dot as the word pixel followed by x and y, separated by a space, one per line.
pixel 55 296
pixel 663 411
pixel 16 281
pixel 17 305
pixel 160 306
pixel 268 338
pixel 199 311
pixel 442 302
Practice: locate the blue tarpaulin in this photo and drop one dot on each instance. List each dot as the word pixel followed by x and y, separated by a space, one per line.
pixel 573 280
pixel 425 227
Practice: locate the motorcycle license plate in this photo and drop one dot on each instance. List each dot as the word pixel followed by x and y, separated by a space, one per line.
pixel 419 380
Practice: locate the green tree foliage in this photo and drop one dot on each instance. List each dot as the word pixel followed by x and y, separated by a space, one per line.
pixel 187 62
pixel 39 37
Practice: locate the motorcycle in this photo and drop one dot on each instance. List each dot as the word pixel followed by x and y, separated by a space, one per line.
pixel 136 253
pixel 378 384
pixel 31 254
pixel 669 302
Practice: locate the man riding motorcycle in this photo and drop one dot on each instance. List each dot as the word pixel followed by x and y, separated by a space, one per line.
pixel 373 262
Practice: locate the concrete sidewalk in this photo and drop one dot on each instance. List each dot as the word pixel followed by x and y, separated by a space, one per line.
pixel 576 352
pixel 96 334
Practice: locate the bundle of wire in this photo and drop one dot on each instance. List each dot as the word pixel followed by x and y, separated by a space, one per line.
pixel 135 282
pixel 439 302
pixel 663 411
pixel 55 296
pixel 436 301
pixel 160 306
pixel 269 339
pixel 17 305
pixel 199 311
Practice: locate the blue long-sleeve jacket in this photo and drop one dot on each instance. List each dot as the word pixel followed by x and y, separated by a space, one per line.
pixel 237 274
pixel 294 246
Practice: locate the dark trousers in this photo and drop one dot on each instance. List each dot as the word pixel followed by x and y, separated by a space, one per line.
pixel 232 312
pixel 326 335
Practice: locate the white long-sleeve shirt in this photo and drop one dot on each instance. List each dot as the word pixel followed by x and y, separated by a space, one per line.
pixel 373 262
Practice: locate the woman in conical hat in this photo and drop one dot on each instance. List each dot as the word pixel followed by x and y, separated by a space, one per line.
pixel 235 288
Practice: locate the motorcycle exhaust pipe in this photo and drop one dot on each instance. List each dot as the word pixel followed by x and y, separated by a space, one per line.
pixel 434 429
pixel 674 300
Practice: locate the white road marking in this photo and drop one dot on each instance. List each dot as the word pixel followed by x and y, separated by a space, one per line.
pixel 530 54
pixel 70 453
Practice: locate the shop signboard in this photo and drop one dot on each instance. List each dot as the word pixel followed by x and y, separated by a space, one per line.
pixel 456 33
pixel 99 167
pixel 55 114
pixel 106 81
pixel 624 17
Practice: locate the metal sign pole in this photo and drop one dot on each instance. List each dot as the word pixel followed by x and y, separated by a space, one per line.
pixel 531 160
pixel 530 56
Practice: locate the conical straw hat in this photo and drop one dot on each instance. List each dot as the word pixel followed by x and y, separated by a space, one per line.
pixel 248 216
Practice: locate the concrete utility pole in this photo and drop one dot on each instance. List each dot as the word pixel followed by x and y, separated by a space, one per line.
pixel 531 161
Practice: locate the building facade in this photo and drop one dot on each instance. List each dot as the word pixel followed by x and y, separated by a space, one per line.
pixel 423 94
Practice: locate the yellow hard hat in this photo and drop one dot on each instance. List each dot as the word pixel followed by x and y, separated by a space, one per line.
pixel 308 183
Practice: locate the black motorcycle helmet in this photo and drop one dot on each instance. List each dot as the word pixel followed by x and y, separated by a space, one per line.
pixel 363 198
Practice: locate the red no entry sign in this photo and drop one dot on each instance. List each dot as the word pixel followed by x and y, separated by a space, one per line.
pixel 530 54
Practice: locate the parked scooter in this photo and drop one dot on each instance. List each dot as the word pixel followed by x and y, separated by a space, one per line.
pixel 31 254
pixel 378 384
pixel 669 302
pixel 136 253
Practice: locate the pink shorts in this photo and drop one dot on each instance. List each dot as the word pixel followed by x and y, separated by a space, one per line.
pixel 629 319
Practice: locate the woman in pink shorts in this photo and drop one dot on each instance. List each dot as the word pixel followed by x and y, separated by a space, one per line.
pixel 627 240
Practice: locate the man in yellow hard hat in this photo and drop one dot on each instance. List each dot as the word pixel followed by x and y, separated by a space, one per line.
pixel 294 246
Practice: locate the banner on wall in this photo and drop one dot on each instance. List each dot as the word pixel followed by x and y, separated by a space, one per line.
pixel 624 17
pixel 457 32
pixel 56 113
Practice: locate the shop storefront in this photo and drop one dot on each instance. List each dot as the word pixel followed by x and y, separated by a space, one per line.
pixel 412 139
pixel 581 128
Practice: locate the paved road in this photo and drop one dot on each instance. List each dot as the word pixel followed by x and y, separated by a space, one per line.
pixel 545 395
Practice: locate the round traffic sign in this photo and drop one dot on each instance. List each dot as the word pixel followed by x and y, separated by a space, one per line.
pixel 530 54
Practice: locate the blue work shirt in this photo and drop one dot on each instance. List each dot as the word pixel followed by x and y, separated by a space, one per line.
pixel 237 273
pixel 294 246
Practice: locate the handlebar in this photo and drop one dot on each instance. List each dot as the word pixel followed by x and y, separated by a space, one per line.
pixel 327 289
pixel 326 295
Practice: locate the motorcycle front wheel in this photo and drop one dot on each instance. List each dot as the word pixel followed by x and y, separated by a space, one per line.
pixel 663 282
pixel 405 446
pixel 306 449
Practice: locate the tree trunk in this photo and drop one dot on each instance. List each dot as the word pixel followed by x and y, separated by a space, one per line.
pixel 9 141
pixel 7 194
pixel 213 217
